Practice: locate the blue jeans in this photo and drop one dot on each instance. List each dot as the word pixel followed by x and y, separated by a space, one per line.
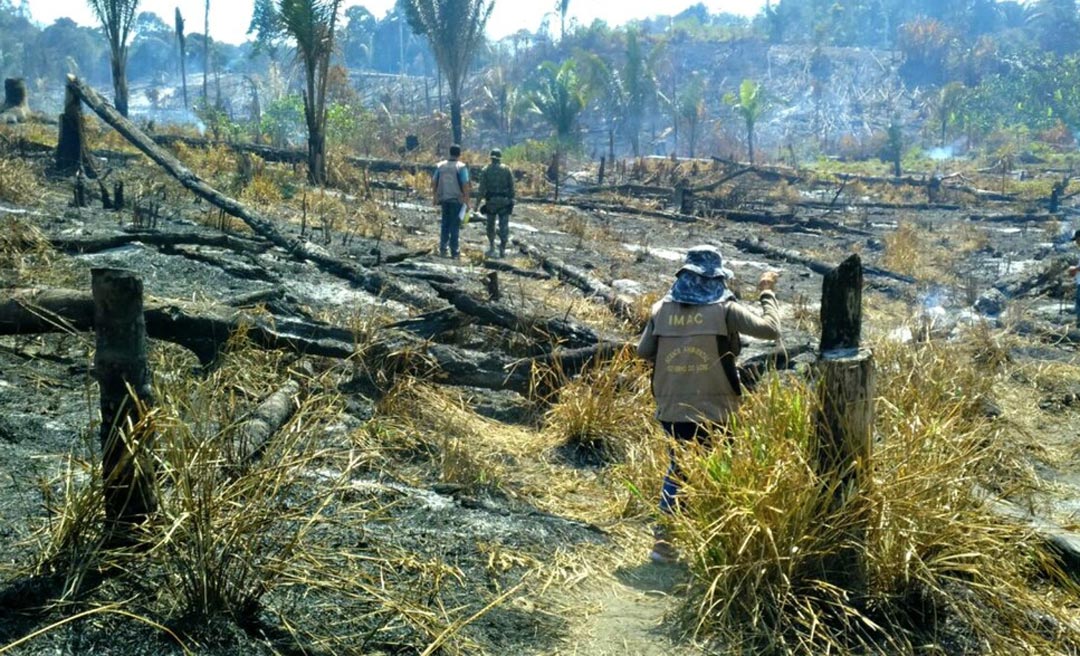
pixel 449 227
pixel 683 431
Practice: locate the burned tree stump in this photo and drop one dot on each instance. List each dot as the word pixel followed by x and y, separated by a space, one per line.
pixel 682 197
pixel 845 418
pixel 123 375
pixel 71 152
pixel 15 108
pixel 14 92
pixel 118 195
pixel 841 306
pixel 491 281
pixel 80 190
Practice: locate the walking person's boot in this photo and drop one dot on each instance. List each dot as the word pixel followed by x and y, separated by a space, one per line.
pixel 663 551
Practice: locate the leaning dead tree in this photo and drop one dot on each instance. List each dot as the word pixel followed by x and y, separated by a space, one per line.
pixel 373 282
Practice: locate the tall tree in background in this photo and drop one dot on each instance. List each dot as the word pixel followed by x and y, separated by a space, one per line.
pixel 691 109
pixel 206 53
pixel 183 53
pixel 562 6
pixel 559 97
pixel 639 86
pixel 610 92
pixel 116 17
pixel 454 28
pixel 311 24
pixel 750 105
pixel 1056 24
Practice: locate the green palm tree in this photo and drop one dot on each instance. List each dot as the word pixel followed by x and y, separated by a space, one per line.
pixel 750 104
pixel 624 91
pixel 454 28
pixel 311 24
pixel 691 109
pixel 608 88
pixel 502 101
pixel 559 97
pixel 117 17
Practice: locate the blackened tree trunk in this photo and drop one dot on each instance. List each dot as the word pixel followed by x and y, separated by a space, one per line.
pixel 14 92
pixel 206 54
pixel 123 374
pixel 317 154
pixel 183 53
pixel 845 419
pixel 841 306
pixel 120 85
pixel 455 116
pixel 71 151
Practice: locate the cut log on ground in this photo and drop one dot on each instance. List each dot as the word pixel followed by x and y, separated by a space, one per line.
pixel 1062 545
pixel 266 420
pixel 621 306
pixel 162 239
pixel 567 333
pixel 375 283
pixel 205 330
pixel 496 265
pixel 231 266
pixel 760 247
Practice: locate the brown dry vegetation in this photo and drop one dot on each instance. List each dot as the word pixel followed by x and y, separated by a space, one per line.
pixel 399 519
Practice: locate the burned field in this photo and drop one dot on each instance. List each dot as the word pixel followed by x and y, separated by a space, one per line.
pixel 364 448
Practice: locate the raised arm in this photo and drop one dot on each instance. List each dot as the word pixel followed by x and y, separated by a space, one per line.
pixel 747 322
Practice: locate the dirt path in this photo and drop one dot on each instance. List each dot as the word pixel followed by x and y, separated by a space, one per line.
pixel 628 614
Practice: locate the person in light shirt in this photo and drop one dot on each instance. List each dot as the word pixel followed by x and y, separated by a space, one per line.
pixel 692 339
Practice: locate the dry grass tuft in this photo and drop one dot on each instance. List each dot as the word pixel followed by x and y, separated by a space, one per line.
pixel 941 571
pixel 604 414
pixel 420 422
pixel 20 182
pixel 27 258
pixel 239 535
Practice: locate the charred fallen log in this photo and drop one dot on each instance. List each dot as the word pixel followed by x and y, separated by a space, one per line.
pixel 231 266
pixel 205 330
pixel 760 247
pixel 159 239
pixel 496 265
pixel 620 305
pixel 266 420
pixel 567 333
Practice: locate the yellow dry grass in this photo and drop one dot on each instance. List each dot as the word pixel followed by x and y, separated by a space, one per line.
pixel 20 181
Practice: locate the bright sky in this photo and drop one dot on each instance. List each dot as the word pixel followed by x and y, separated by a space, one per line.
pixel 229 19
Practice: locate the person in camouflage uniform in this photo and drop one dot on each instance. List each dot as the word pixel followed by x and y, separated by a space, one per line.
pixel 497 194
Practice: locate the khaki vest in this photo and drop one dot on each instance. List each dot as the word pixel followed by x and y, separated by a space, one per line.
pixel 689 380
pixel 449 183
